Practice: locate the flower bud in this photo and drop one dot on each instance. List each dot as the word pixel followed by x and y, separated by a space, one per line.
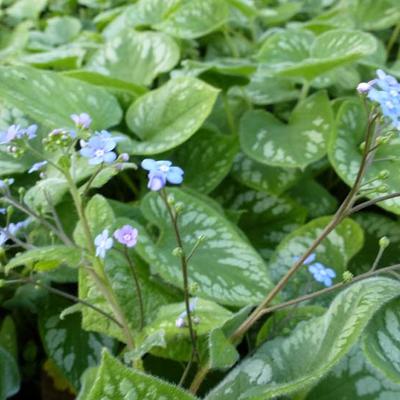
pixel 177 252
pixel 384 242
pixel 382 189
pixel 347 276
pixel 194 287
pixel 180 322
pixel 179 207
pixel 3 282
pixel 384 174
pixel 364 87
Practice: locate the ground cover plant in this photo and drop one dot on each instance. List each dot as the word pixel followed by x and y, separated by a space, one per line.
pixel 200 199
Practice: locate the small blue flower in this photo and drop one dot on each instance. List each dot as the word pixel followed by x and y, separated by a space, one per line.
pixel 320 273
pixel 103 243
pixel 13 132
pixel 99 148
pixel 3 238
pixel 37 166
pixel 5 183
pixel 29 132
pixel 82 120
pixel 3 211
pixel 181 320
pixel 161 172
pixel 384 90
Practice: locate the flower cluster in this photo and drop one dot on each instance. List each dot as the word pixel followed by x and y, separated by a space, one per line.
pixel 385 90
pixel 16 132
pixel 161 172
pixel 127 236
pixel 320 273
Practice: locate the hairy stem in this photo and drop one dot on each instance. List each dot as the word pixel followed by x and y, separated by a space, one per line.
pixel 184 268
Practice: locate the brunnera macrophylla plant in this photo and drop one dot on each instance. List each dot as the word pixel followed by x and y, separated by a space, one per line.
pixel 199 199
pixel 130 311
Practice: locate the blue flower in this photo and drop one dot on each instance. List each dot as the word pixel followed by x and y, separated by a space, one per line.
pixel 5 183
pixel 181 320
pixel 99 148
pixel 82 120
pixel 37 166
pixel 385 90
pixel 103 243
pixel 3 238
pixel 29 132
pixel 13 132
pixel 161 172
pixel 320 273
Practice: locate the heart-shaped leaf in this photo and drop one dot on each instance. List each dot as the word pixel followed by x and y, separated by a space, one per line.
pixel 166 117
pixel 32 91
pixel 225 267
pixel 136 57
pixel 300 142
pixel 296 53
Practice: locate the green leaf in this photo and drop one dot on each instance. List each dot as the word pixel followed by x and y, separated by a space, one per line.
pixel 335 252
pixel 286 365
pixel 124 383
pixel 237 275
pixel 32 91
pixel 314 197
pixel 296 53
pixel 61 30
pixel 156 339
pixel 264 178
pixel 376 15
pixel 56 254
pixel 207 165
pixel 72 349
pixel 26 9
pixel 178 344
pixel 136 57
pixel 302 141
pixel 354 378
pixel 267 219
pixel 8 336
pixel 99 215
pixel 168 116
pixel 9 375
pixel 191 19
pixel 345 154
pixel 223 353
pixel 381 342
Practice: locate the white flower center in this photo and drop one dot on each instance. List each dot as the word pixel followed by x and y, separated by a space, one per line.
pixel 99 152
pixel 127 237
pixel 164 168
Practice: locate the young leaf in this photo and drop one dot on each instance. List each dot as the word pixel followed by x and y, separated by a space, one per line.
pixel 168 116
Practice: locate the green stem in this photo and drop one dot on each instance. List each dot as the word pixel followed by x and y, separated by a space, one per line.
pixel 184 268
pixel 228 111
pixel 393 39
pixel 137 284
pixel 98 274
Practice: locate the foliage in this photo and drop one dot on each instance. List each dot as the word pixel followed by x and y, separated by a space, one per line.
pixel 262 275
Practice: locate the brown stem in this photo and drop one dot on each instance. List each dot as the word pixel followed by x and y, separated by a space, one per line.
pixel 372 202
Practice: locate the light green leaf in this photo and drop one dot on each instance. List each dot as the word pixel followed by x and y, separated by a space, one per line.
pixel 168 116
pixel 210 316
pixel 208 164
pixel 8 336
pixel 9 375
pixel 26 9
pixel 156 339
pixel 194 18
pixel 381 341
pixel 32 91
pixel 61 30
pixel 376 15
pixel 354 378
pixel 345 154
pixel 286 365
pixel 223 353
pixel 302 141
pixel 122 383
pixel 72 349
pixel 136 57
pixel 99 215
pixel 56 254
pixel 296 53
pixel 335 251
pixel 226 268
